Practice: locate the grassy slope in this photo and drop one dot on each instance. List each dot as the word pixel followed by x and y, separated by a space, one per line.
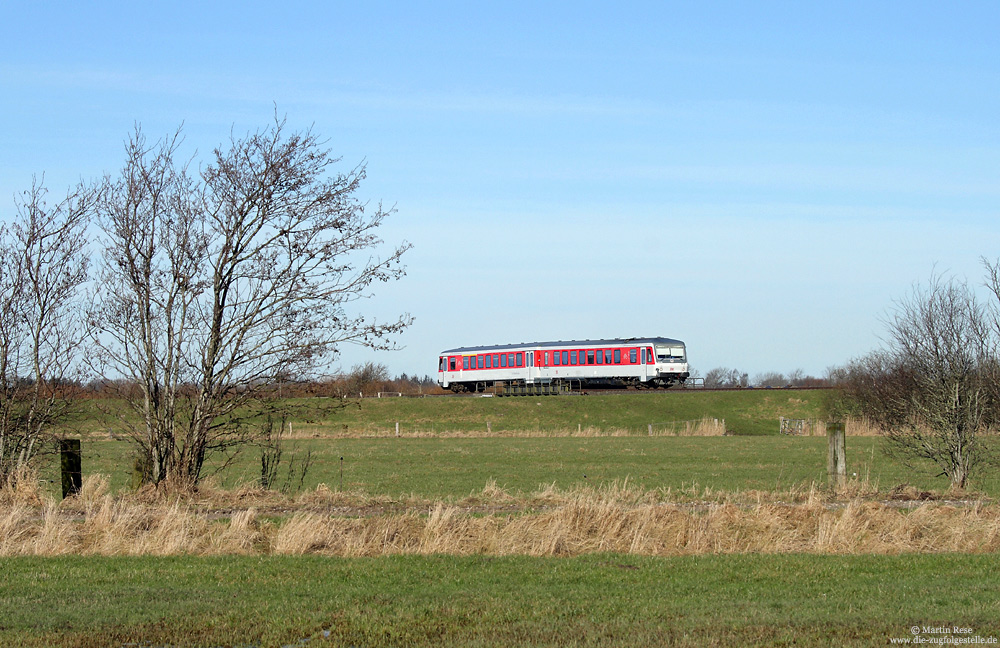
pixel 605 600
pixel 747 412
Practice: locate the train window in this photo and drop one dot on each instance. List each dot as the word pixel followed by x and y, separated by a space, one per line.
pixel 465 362
pixel 565 357
pixel 631 356
pixel 441 364
pixel 555 357
pixel 643 356
pixel 649 355
pixel 479 362
pixel 519 357
pixel 452 364
pixel 590 357
pixel 489 362
pixel 503 359
pixel 618 356
pixel 572 357
pixel 600 357
pixel 608 356
pixel 496 360
pixel 531 358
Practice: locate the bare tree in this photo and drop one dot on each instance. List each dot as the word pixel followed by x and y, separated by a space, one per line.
pixel 145 307
pixel 216 286
pixel 42 267
pixel 722 377
pixel 770 379
pixel 367 378
pixel 715 377
pixel 933 388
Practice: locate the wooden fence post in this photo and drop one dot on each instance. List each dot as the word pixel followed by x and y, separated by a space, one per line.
pixel 836 456
pixel 72 464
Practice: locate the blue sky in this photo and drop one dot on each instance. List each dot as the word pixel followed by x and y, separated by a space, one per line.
pixel 760 180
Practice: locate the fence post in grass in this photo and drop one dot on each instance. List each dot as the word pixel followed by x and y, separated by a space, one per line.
pixel 72 464
pixel 649 430
pixel 397 428
pixel 836 456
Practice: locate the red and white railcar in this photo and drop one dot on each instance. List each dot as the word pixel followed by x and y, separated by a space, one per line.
pixel 640 362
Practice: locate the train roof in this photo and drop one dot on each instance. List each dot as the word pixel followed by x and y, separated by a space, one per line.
pixel 565 343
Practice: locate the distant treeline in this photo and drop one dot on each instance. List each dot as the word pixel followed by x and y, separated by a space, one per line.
pixel 724 377
pixel 363 380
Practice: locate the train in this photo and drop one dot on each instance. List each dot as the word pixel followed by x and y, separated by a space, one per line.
pixel 641 362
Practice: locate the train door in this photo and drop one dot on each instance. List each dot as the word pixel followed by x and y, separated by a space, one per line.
pixel 644 365
pixel 529 365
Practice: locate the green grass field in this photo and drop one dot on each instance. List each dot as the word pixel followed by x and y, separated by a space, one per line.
pixel 450 468
pixel 424 464
pixel 590 600
pixel 595 600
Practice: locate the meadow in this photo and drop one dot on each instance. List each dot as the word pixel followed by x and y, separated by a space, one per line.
pixel 451 447
pixel 451 468
pixel 561 523
pixel 593 600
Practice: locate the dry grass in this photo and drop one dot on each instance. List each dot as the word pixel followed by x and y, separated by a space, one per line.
pixel 615 518
pixel 700 427
pixel 857 427
pixel 865 428
pixel 861 427
pixel 21 488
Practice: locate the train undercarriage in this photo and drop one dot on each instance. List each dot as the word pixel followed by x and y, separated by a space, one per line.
pixel 551 387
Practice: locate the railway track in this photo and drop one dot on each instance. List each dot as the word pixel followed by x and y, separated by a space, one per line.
pixel 490 393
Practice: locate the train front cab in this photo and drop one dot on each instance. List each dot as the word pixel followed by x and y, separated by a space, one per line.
pixel 671 363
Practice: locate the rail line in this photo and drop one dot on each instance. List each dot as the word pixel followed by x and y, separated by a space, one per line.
pixel 617 390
